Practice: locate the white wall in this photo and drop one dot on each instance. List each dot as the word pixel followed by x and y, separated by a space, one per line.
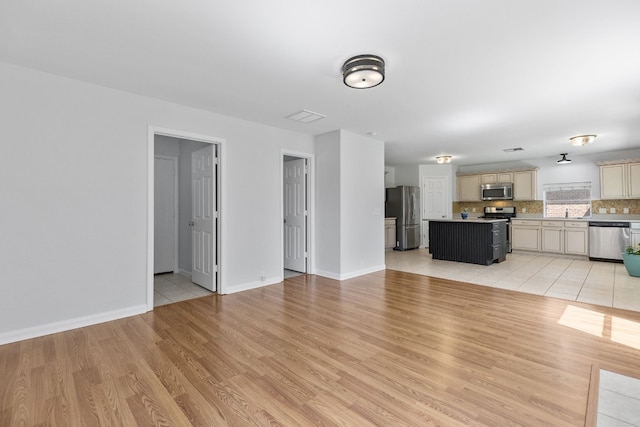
pixel 327 255
pixel 167 146
pixel 407 175
pixel 389 177
pixel 362 204
pixel 73 168
pixel 350 201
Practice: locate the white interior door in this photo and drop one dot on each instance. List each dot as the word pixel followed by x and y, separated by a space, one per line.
pixel 436 203
pixel 203 187
pixel 164 240
pixel 295 215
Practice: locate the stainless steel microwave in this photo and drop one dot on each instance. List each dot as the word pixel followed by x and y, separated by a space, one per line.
pixel 499 191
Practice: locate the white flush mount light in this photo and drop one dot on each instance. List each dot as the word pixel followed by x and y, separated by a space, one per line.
pixel 363 71
pixel 443 159
pixel 564 160
pixel 580 140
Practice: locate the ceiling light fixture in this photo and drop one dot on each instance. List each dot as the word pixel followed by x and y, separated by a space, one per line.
pixel 564 159
pixel 580 140
pixel 363 71
pixel 443 159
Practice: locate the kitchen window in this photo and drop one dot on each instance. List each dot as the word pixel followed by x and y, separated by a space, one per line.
pixel 571 200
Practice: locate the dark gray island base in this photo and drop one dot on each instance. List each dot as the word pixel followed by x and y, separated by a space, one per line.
pixel 474 241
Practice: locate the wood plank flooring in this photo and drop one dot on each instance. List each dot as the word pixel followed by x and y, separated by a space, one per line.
pixel 385 349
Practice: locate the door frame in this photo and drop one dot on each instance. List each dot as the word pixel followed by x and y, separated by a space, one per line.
pixel 174 160
pixel 310 190
pixel 152 131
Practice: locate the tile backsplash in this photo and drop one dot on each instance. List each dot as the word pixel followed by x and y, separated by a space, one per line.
pixel 532 206
pixel 632 204
pixel 537 206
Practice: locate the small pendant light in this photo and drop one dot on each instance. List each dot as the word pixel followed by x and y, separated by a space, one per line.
pixel 564 159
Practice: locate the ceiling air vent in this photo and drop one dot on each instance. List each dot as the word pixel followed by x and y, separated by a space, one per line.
pixel 511 150
pixel 305 116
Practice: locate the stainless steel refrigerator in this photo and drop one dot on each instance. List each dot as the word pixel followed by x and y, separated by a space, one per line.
pixel 403 203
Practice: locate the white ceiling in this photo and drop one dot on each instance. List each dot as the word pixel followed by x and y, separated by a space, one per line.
pixel 467 78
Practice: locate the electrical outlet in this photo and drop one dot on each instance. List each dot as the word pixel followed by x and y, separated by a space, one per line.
pixel 473 209
pixel 524 210
pixel 602 210
pixel 612 210
pixel 262 276
pixel 625 210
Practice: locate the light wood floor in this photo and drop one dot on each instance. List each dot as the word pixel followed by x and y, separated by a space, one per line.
pixel 388 349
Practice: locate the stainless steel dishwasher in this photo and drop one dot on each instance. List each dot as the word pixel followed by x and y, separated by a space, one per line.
pixel 608 240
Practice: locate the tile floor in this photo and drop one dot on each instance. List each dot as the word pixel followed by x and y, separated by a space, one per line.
pixel 173 287
pixel 618 400
pixel 290 273
pixel 574 279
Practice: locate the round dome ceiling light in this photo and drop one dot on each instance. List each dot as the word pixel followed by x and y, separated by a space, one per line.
pixel 363 71
pixel 580 140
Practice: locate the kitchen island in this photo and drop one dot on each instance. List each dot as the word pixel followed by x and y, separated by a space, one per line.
pixel 475 241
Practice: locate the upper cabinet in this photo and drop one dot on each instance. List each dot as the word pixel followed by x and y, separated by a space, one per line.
pixel 620 181
pixel 493 178
pixel 524 184
pixel 469 188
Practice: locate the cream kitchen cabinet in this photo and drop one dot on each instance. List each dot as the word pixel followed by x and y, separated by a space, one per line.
pixel 620 181
pixel 552 236
pixel 524 185
pixel 469 188
pixel 576 237
pixel 492 178
pixel 525 234
pixel 389 233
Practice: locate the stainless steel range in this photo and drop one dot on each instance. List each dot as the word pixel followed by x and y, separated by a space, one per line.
pixel 505 212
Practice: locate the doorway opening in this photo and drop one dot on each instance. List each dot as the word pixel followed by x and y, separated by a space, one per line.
pixel 184 233
pixel 296 213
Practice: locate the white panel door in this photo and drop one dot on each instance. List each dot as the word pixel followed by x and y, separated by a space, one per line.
pixel 203 187
pixel 164 236
pixel 436 202
pixel 295 221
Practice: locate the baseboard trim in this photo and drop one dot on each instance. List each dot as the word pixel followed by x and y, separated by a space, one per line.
pixel 66 325
pixel 252 285
pixel 347 276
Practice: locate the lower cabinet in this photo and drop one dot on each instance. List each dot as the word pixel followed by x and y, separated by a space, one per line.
pixel 553 236
pixel 576 237
pixel 389 233
pixel 525 234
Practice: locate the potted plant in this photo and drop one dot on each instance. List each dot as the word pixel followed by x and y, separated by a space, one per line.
pixel 631 260
pixel 464 213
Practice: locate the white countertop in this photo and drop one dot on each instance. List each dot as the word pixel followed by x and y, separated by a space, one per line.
pixel 474 220
pixel 538 217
